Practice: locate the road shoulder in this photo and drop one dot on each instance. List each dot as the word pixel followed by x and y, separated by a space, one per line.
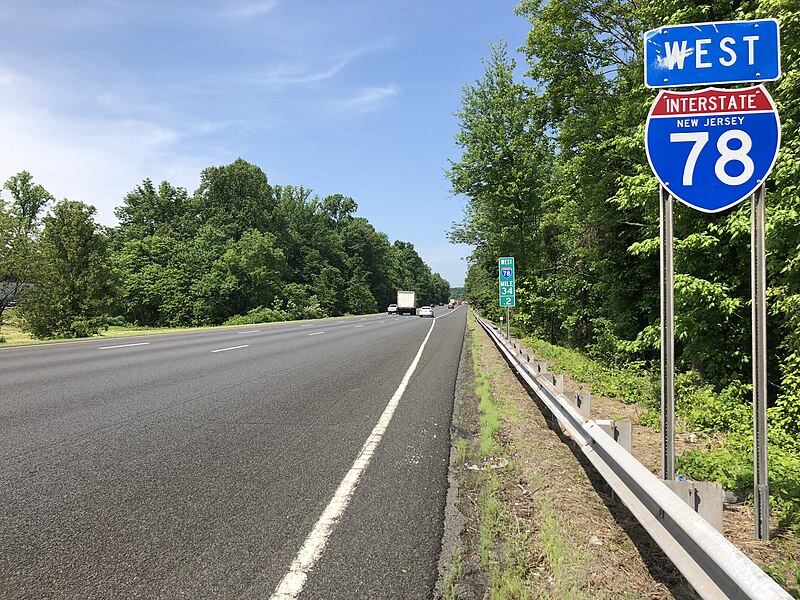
pixel 527 517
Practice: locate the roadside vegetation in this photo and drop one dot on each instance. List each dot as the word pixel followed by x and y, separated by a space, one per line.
pixel 723 420
pixel 554 170
pixel 537 525
pixel 237 251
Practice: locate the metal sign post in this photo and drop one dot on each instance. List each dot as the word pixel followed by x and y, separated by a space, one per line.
pixel 667 340
pixel 711 149
pixel 507 286
pixel 758 285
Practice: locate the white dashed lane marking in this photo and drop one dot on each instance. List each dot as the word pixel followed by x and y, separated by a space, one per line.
pixel 124 346
pixel 231 348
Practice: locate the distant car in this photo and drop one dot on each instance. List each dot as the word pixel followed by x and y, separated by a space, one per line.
pixel 459 302
pixel 451 305
pixel 426 311
pixel 392 309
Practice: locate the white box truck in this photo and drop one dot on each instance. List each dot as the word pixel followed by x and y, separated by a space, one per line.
pixel 406 303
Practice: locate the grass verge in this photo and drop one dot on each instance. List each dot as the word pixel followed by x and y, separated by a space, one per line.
pixel 11 333
pixel 522 548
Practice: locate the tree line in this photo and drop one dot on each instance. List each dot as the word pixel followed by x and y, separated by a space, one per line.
pixel 554 170
pixel 238 250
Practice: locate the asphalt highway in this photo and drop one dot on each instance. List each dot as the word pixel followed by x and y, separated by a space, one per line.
pixel 200 464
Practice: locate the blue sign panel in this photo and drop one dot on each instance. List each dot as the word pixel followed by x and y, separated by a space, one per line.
pixel 712 53
pixel 712 148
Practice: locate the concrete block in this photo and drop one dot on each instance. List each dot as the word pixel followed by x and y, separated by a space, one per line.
pixel 704 497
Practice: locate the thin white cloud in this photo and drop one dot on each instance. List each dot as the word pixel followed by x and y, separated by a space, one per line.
pixel 289 74
pixel 321 64
pixel 369 99
pixel 251 10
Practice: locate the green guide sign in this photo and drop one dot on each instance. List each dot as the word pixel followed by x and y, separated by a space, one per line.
pixel 506 278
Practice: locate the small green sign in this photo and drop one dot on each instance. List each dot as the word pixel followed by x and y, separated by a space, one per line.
pixel 506 279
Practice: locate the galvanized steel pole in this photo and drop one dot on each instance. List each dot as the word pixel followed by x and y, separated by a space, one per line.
pixel 667 340
pixel 758 285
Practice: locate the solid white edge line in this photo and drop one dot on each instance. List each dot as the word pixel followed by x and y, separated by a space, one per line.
pixel 447 314
pixel 294 581
pixel 124 345
pixel 231 348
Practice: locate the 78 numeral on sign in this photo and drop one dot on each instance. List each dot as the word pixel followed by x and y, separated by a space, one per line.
pixel 726 155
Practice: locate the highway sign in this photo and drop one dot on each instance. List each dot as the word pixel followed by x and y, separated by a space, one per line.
pixel 712 148
pixel 506 279
pixel 712 53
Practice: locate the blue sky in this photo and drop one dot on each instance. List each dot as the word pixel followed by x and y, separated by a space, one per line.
pixel 341 96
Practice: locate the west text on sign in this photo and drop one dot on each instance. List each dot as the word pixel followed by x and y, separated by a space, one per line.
pixel 712 53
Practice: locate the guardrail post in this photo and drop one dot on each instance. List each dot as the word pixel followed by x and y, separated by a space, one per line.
pixel 583 400
pixel 704 497
pixel 620 431
pixel 557 381
pixel 540 366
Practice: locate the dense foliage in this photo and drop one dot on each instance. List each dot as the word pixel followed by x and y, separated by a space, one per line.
pixel 555 173
pixel 238 250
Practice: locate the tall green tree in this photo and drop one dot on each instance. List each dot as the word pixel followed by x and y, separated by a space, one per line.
pixel 234 198
pixel 372 249
pixel 73 286
pixel 501 171
pixel 19 226
pixel 312 244
pixel 359 296
pixel 156 274
pixel 147 211
pixel 248 274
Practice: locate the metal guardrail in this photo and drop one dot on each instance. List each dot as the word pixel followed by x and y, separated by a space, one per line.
pixel 713 566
